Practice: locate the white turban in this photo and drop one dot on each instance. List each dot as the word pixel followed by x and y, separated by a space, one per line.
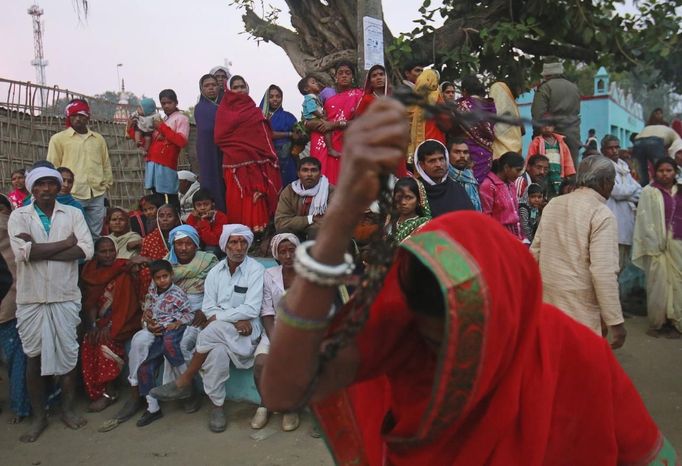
pixel 235 229
pixel 277 239
pixel 187 175
pixel 42 172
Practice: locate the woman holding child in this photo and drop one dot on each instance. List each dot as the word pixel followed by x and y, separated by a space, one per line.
pixel 250 165
pixel 339 110
pixel 113 315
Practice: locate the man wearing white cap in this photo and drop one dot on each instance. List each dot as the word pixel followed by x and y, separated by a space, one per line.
pixel 48 239
pixel 233 293
pixel 559 98
pixel 188 185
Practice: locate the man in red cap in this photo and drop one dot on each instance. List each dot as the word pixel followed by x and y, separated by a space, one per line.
pixel 85 153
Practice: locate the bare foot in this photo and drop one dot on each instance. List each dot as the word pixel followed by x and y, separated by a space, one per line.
pixel 100 405
pixel 37 427
pixel 72 420
pixel 652 332
pixel 16 419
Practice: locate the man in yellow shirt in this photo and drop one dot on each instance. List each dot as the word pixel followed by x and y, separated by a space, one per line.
pixel 85 153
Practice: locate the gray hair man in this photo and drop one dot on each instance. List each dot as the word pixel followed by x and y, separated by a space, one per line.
pixel 576 246
pixel 623 199
pixel 233 294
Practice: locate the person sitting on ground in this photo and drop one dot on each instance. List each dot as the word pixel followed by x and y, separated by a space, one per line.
pixel 10 343
pixel 143 220
pixel 442 192
pixel 127 242
pixel 313 108
pixel 113 314
pixel 461 306
pixel 48 239
pixel 498 197
pixel 143 123
pixel 576 245
pixel 657 249
pixel 460 170
pixel 19 191
pixel 552 145
pixel 167 312
pixel 302 204
pixel 411 208
pixel 536 171
pixel 155 244
pixel 207 220
pixel 188 185
pixel 233 294
pixel 276 281
pixel 529 213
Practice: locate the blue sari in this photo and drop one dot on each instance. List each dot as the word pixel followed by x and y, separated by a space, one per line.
pixel 209 155
pixel 281 120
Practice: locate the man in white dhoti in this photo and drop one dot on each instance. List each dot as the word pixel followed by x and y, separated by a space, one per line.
pixel 233 293
pixel 48 239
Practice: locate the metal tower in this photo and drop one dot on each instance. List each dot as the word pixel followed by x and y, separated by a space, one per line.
pixel 39 61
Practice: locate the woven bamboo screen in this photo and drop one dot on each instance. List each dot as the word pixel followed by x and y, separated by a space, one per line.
pixel 31 114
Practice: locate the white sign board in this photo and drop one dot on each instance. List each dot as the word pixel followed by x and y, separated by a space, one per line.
pixel 373 32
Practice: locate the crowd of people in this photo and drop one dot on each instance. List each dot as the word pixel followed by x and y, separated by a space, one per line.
pixel 176 290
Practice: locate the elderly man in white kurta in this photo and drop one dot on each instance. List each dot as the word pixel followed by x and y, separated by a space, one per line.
pixel 48 239
pixel 233 293
pixel 576 246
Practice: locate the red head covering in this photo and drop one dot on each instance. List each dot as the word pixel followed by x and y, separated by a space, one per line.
pixel 76 107
pixel 516 381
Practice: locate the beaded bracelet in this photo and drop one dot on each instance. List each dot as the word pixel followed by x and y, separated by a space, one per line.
pixel 321 274
pixel 286 317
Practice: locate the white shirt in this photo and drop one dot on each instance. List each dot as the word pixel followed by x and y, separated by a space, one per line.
pixel 234 297
pixel 48 281
pixel 273 290
pixel 623 201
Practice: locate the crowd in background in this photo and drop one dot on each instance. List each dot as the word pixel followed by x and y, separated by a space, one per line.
pixel 173 286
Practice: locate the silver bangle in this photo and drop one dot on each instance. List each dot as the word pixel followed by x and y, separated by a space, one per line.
pixel 321 274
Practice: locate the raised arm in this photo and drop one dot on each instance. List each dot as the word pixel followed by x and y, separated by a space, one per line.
pixel 374 145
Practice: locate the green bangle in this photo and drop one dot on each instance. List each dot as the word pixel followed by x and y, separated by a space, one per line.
pixel 285 316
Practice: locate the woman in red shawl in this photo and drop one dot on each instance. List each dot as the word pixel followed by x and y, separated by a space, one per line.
pixel 113 315
pixel 460 362
pixel 251 170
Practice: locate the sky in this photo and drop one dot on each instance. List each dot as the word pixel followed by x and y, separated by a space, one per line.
pixel 161 44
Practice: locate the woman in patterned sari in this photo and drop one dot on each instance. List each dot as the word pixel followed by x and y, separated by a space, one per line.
pixel 155 245
pixel 480 136
pixel 113 314
pixel 339 109
pixel 459 361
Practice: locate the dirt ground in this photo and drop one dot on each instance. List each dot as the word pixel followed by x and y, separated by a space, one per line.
pixel 181 439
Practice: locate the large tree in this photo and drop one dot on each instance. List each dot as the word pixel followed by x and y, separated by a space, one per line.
pixel 501 38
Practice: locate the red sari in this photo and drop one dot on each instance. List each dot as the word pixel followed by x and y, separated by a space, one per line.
pixel 113 292
pixel 515 381
pixel 249 161
pixel 154 247
pixel 340 107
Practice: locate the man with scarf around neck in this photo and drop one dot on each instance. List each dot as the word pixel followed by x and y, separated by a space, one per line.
pixel 443 193
pixel 233 295
pixel 302 204
pixel 623 199
pixel 460 170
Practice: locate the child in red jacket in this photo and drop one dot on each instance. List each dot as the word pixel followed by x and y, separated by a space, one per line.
pixel 206 219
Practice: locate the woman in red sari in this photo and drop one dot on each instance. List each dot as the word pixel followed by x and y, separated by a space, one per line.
pixel 339 109
pixel 113 316
pixel 460 362
pixel 155 245
pixel 251 170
